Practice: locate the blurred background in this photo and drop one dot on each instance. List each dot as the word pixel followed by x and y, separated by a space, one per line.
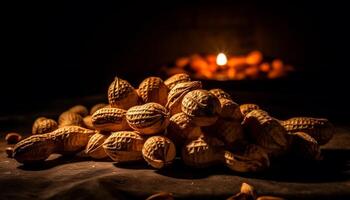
pixel 61 54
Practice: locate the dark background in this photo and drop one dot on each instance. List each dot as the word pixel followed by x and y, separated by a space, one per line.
pixel 71 50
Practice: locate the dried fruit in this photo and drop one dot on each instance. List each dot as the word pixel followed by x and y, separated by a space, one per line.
pixel 150 118
pixel 172 81
pixel 65 140
pixel 320 129
pixel 97 107
pixel 176 95
pixel 110 119
pixel 43 125
pixel 124 146
pixel 9 152
pixel 94 147
pixel 243 110
pixel 266 131
pixel 181 129
pixel 304 146
pixel 121 94
pixel 202 106
pixel 88 122
pixel 159 151
pixel 13 138
pixel 153 89
pixel 80 110
pixel 69 118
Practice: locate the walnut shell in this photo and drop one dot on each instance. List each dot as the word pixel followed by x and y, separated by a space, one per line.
pixel 110 119
pixel 124 146
pixel 181 129
pixel 44 125
pixel 148 119
pixel 172 81
pixel 304 146
pixel 176 95
pixel 320 129
pixel 121 94
pixel 159 151
pixel 13 138
pixel 94 147
pixel 243 110
pixel 97 107
pixel 80 110
pixel 153 89
pixel 202 106
pixel 266 131
pixel 69 118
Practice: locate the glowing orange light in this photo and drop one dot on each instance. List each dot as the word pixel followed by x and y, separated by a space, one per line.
pixel 221 59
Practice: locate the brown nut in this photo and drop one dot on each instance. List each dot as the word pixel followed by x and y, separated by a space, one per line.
pixel 13 138
pixel 202 106
pixel 94 147
pixel 121 94
pixel 159 151
pixel 124 146
pixel 243 110
pixel 266 131
pixel 228 108
pixel 172 81
pixel 110 119
pixel 220 94
pixel 44 125
pixel 97 107
pixel 320 129
pixel 69 118
pixel 148 119
pixel 181 129
pixel 153 89
pixel 304 146
pixel 176 95
pixel 88 122
pixel 9 152
pixel 80 110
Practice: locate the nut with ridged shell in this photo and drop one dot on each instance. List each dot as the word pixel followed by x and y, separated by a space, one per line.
pixel 88 122
pixel 220 94
pixel 80 110
pixel 121 94
pixel 44 125
pixel 177 93
pixel 304 146
pixel 320 129
pixel 110 119
pixel 148 119
pixel 69 118
pixel 172 81
pixel 153 89
pixel 202 106
pixel 94 147
pixel 243 110
pixel 159 151
pixel 266 131
pixel 124 146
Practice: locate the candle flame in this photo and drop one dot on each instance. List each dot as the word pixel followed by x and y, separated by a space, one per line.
pixel 221 59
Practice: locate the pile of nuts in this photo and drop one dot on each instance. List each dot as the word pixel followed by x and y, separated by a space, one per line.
pixel 162 119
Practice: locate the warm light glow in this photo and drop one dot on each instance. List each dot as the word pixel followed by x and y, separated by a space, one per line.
pixel 221 59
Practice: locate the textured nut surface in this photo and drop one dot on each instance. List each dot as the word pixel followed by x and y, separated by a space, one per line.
pixel 228 108
pixel 220 94
pixel 94 147
pixel 150 118
pixel 124 146
pixel 181 129
pixel 69 118
pixel 121 94
pixel 44 125
pixel 13 138
pixel 320 129
pixel 244 109
pixel 266 131
pixel 172 81
pixel 153 89
pixel 97 107
pixel 176 95
pixel 110 119
pixel 304 146
pixel 251 158
pixel 202 106
pixel 200 153
pixel 159 151
pixel 80 110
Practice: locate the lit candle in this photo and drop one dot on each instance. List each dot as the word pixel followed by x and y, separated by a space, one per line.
pixel 221 59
